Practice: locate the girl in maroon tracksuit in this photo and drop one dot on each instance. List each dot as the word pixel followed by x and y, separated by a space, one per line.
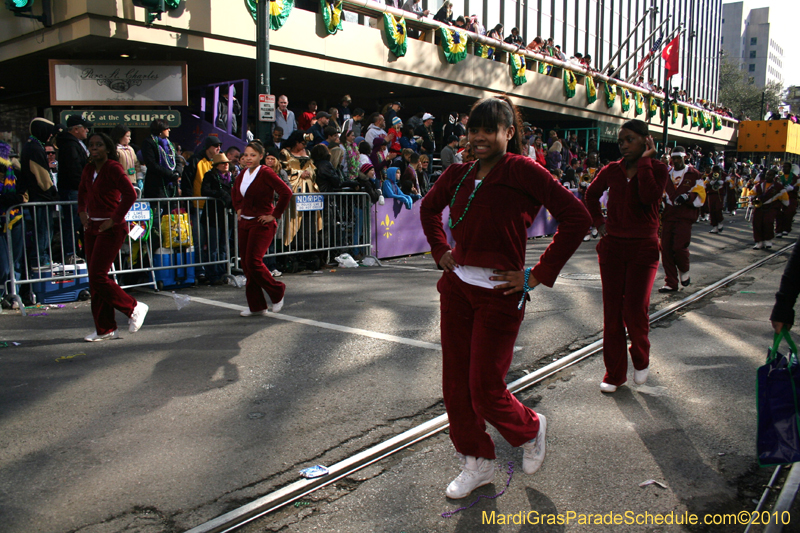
pixel 105 195
pixel 492 203
pixel 253 194
pixel 628 251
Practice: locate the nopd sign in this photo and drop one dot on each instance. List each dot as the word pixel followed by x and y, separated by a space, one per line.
pixel 132 83
pixel 132 118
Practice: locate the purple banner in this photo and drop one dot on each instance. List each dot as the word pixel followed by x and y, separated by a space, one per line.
pixel 397 231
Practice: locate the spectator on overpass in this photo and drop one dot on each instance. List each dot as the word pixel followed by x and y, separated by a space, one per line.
pixel 344 109
pixel 354 122
pixel 375 129
pixel 425 131
pixel 445 13
pixel 308 117
pixel 318 129
pixel 514 38
pixel 448 153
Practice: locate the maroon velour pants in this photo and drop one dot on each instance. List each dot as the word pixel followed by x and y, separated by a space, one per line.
pixel 764 223
pixel 715 208
pixel 628 268
pixel 101 250
pixel 675 238
pixel 254 241
pixel 479 327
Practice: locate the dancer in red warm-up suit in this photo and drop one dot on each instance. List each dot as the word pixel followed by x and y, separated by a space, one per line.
pixel 492 203
pixel 716 185
pixel 105 195
pixel 768 197
pixel 684 195
pixel 628 251
pixel 252 196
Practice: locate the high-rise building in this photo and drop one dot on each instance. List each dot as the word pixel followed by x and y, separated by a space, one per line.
pixel 747 38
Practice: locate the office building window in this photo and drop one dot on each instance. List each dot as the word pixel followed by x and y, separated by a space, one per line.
pixel 753 41
pixel 752 68
pixel 752 54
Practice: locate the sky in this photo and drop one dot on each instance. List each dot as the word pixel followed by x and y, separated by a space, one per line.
pixel 782 14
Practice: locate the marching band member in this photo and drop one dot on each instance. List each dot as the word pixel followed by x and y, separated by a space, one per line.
pixel 628 251
pixel 767 195
pixel 716 185
pixel 684 195
pixel 783 220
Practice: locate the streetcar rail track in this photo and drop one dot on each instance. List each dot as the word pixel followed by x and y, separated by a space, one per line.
pixel 295 491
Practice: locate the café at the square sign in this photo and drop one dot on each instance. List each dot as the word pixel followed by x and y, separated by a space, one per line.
pixel 108 83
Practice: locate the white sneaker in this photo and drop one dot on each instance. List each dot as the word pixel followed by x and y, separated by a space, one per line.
pixel 137 318
pixel 594 233
pixel 276 273
pixel 276 307
pixel 248 312
pixel 768 245
pixel 759 245
pixel 607 387
pixel 587 238
pixel 733 213
pixel 714 230
pixel 533 450
pixel 475 472
pixel 94 337
pixel 640 376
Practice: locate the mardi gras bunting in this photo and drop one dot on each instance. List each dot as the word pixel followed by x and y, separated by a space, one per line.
pixel 332 15
pixel 484 50
pixel 638 103
pixel 545 68
pixel 611 94
pixel 685 113
pixel 717 123
pixel 674 112
pixel 626 100
pixel 591 89
pixel 655 104
pixel 517 68
pixel 396 34
pixel 278 11
pixel 454 44
pixel 707 121
pixel 570 81
pixel 695 119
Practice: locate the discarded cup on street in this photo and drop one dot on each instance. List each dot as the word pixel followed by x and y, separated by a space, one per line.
pixel 236 281
pixel 181 300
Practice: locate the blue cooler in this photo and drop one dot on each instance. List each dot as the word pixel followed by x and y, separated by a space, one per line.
pixel 56 291
pixel 174 277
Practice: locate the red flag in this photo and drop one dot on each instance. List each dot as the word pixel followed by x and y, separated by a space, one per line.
pixel 671 56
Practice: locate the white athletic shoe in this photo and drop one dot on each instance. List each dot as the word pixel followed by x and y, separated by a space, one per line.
pixel 533 450
pixel 248 312
pixel 607 387
pixel 276 307
pixel 640 376
pixel 714 230
pixel 276 273
pixel 587 238
pixel 759 245
pixel 94 337
pixel 137 318
pixel 768 245
pixel 475 472
pixel 686 279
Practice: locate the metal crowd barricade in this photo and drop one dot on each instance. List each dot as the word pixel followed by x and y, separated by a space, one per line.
pixel 45 246
pixel 316 223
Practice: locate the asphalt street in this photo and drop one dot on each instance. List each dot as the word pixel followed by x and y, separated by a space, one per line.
pixel 202 411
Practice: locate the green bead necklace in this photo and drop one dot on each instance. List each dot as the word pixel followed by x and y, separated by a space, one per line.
pixel 471 196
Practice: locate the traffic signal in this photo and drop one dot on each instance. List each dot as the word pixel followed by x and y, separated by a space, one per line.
pixel 153 8
pixel 20 6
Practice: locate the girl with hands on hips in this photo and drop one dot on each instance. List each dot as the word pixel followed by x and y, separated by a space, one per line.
pixel 493 201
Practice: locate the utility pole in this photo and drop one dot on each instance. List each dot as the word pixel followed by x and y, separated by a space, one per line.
pixel 763 96
pixel 668 110
pixel 263 128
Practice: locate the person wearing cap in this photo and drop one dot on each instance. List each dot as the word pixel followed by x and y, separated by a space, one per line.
pixel 36 181
pixel 391 113
pixel 72 158
pixel 397 128
pixel 344 109
pixel 685 193
pixel 425 131
pixel 161 160
pixel 217 184
pixel 318 129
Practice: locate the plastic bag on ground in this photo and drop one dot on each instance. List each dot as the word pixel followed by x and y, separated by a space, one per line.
pixel 181 300
pixel 370 261
pixel 346 261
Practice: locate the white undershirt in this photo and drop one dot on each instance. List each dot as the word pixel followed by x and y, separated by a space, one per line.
pixel 477 276
pixel 678 173
pixel 247 180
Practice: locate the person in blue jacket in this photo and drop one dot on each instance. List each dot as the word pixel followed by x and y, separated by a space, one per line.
pixel 392 190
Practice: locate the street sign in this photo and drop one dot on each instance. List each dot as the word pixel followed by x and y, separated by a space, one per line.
pixel 266 107
pixel 139 211
pixel 309 202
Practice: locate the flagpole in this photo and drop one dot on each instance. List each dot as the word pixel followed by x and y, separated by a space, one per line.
pixel 668 111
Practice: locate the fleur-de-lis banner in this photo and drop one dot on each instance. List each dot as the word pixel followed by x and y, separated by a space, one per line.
pixel 278 11
pixel 638 103
pixel 332 15
pixel 626 100
pixel 591 89
pixel 454 45
pixel 484 50
pixel 570 81
pixel 396 34
pixel 517 62
pixel 611 94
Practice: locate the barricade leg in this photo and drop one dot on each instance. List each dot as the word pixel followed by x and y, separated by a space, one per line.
pixel 71 226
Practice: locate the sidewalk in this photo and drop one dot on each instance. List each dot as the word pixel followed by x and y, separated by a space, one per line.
pixel 691 427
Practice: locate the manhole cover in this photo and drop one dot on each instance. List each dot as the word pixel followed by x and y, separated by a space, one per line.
pixel 581 277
